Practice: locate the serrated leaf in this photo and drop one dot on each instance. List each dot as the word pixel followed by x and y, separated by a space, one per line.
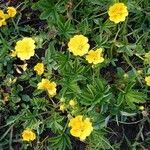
pixel 61 142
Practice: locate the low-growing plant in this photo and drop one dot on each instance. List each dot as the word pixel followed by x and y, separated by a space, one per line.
pixel 74 74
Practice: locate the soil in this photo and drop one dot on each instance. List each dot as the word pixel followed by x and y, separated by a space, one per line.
pixel 124 133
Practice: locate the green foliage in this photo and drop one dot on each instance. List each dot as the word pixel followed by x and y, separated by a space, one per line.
pixel 54 122
pixel 61 142
pixel 65 28
pixel 96 93
pixel 4 48
pixel 98 141
pixel 39 103
pixel 105 93
pixel 50 9
pixel 130 97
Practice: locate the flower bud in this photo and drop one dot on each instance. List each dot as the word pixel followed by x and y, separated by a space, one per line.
pixel 72 103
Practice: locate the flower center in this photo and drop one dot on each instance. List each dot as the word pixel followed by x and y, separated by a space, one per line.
pixel 80 47
pixel 95 56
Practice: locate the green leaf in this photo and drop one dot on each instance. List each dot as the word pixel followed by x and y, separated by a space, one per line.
pixel 39 103
pixel 60 142
pixel 96 93
pixel 66 29
pixel 54 122
pixel 50 9
pixel 99 141
pixel 132 97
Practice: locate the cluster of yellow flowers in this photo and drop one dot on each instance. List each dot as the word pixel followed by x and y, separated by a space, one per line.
pixel 47 85
pixel 80 127
pixel 28 135
pixel 118 12
pixel 79 46
pixel 25 49
pixel 11 12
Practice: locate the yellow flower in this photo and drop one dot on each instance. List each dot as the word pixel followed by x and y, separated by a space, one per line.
pixel 118 12
pixel 25 48
pixel 80 128
pixel 28 135
pixel 11 11
pixel 78 45
pixel 2 18
pixel 39 68
pixel 72 103
pixel 45 84
pixel 95 57
pixel 147 80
